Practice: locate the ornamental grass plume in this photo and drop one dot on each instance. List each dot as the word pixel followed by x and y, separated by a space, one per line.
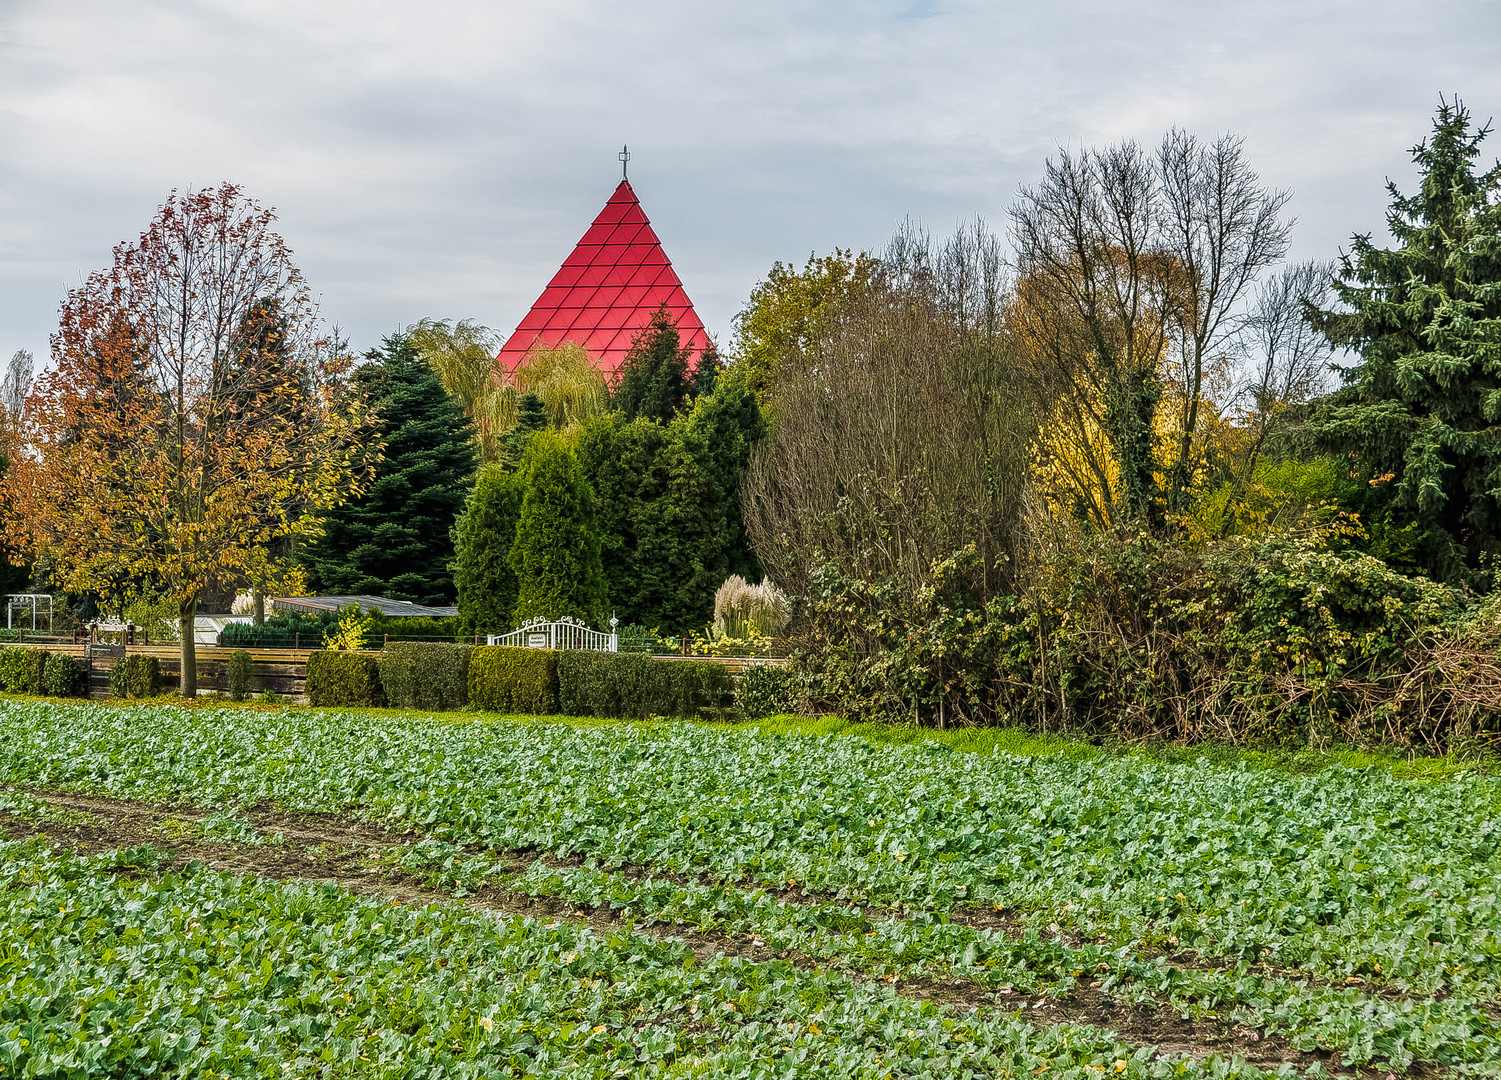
pixel 743 610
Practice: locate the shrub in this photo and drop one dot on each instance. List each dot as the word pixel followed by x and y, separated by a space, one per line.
pixel 278 632
pixel 763 690
pixel 418 675
pixel 13 670
pixel 509 679
pixel 636 686
pixel 238 670
pixel 34 667
pixel 63 676
pixel 414 628
pixel 136 676
pixel 343 678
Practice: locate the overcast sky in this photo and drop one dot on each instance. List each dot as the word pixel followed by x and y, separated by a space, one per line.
pixel 442 158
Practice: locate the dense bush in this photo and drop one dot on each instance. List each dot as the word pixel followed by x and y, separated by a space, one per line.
pixel 63 676
pixel 507 679
pixel 414 628
pixel 279 632
pixel 136 676
pixel 1292 639
pixel 763 690
pixel 636 686
pixel 343 678
pixel 13 668
pixel 238 675
pixel 419 675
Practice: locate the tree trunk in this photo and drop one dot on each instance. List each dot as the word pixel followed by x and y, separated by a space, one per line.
pixel 188 680
pixel 257 605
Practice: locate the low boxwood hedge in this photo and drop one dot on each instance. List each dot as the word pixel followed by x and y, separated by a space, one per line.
pixel 418 675
pixel 635 686
pixel 504 678
pixel 14 667
pixel 136 676
pixel 63 676
pixel 343 678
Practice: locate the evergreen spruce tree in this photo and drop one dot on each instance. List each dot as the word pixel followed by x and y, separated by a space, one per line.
pixel 556 556
pixel 396 540
pixel 668 498
pixel 531 417
pixel 706 373
pixel 483 538
pixel 1420 414
pixel 654 379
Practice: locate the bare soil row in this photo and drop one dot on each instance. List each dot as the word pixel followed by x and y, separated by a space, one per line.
pixel 333 848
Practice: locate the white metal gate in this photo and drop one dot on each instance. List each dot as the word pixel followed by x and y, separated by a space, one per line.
pixel 564 633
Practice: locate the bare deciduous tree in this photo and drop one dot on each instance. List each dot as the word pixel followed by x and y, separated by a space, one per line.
pixel 1223 228
pixel 16 385
pixel 1133 272
pixel 901 436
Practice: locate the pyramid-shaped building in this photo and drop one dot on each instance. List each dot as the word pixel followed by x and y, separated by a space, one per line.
pixel 607 290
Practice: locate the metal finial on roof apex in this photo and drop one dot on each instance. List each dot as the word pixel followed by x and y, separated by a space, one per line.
pixel 625 160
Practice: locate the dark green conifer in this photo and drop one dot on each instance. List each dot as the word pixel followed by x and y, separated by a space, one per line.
pixel 1420 414
pixel 556 556
pixel 483 538
pixel 654 379
pixel 531 417
pixel 396 540
pixel 669 505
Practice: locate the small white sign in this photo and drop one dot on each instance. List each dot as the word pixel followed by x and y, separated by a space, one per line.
pixel 536 641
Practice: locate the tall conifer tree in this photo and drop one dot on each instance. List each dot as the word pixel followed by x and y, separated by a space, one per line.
pixel 1420 413
pixel 556 555
pixel 395 541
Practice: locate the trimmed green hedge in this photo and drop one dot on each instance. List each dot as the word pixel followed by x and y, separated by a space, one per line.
pixel 64 676
pixel 418 675
pixel 343 678
pixel 635 686
pixel 508 679
pixel 136 676
pixel 20 672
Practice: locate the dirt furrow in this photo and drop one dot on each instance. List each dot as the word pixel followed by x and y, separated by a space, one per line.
pixel 327 848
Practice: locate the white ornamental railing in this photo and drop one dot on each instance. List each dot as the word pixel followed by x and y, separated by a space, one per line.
pixel 564 633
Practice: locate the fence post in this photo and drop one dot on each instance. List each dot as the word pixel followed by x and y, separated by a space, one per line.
pixel 296 639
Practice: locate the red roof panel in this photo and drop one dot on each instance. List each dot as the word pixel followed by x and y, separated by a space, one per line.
pixel 607 291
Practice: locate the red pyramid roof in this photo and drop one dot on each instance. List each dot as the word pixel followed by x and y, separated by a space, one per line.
pixel 607 290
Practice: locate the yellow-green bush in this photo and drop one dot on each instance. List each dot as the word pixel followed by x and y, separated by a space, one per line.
pixel 508 679
pixel 343 678
pixel 419 675
pixel 136 676
pixel 633 685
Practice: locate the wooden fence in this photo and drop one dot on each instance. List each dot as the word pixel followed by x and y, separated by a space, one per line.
pixel 281 671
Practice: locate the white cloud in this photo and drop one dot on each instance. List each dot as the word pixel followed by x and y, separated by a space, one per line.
pixel 441 159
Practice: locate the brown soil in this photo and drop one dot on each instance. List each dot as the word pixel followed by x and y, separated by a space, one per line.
pixel 327 847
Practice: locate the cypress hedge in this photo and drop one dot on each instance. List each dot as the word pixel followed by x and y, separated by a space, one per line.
pixel 504 678
pixel 343 678
pixel 136 676
pixel 420 675
pixel 634 686
pixel 64 676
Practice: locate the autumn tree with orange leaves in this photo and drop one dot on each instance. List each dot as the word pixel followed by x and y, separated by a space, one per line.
pixel 195 417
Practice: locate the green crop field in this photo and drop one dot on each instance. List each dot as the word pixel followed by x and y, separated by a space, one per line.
pixel 720 901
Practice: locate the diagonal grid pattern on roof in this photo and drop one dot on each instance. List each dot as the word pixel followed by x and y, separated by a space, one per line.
pixel 607 291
